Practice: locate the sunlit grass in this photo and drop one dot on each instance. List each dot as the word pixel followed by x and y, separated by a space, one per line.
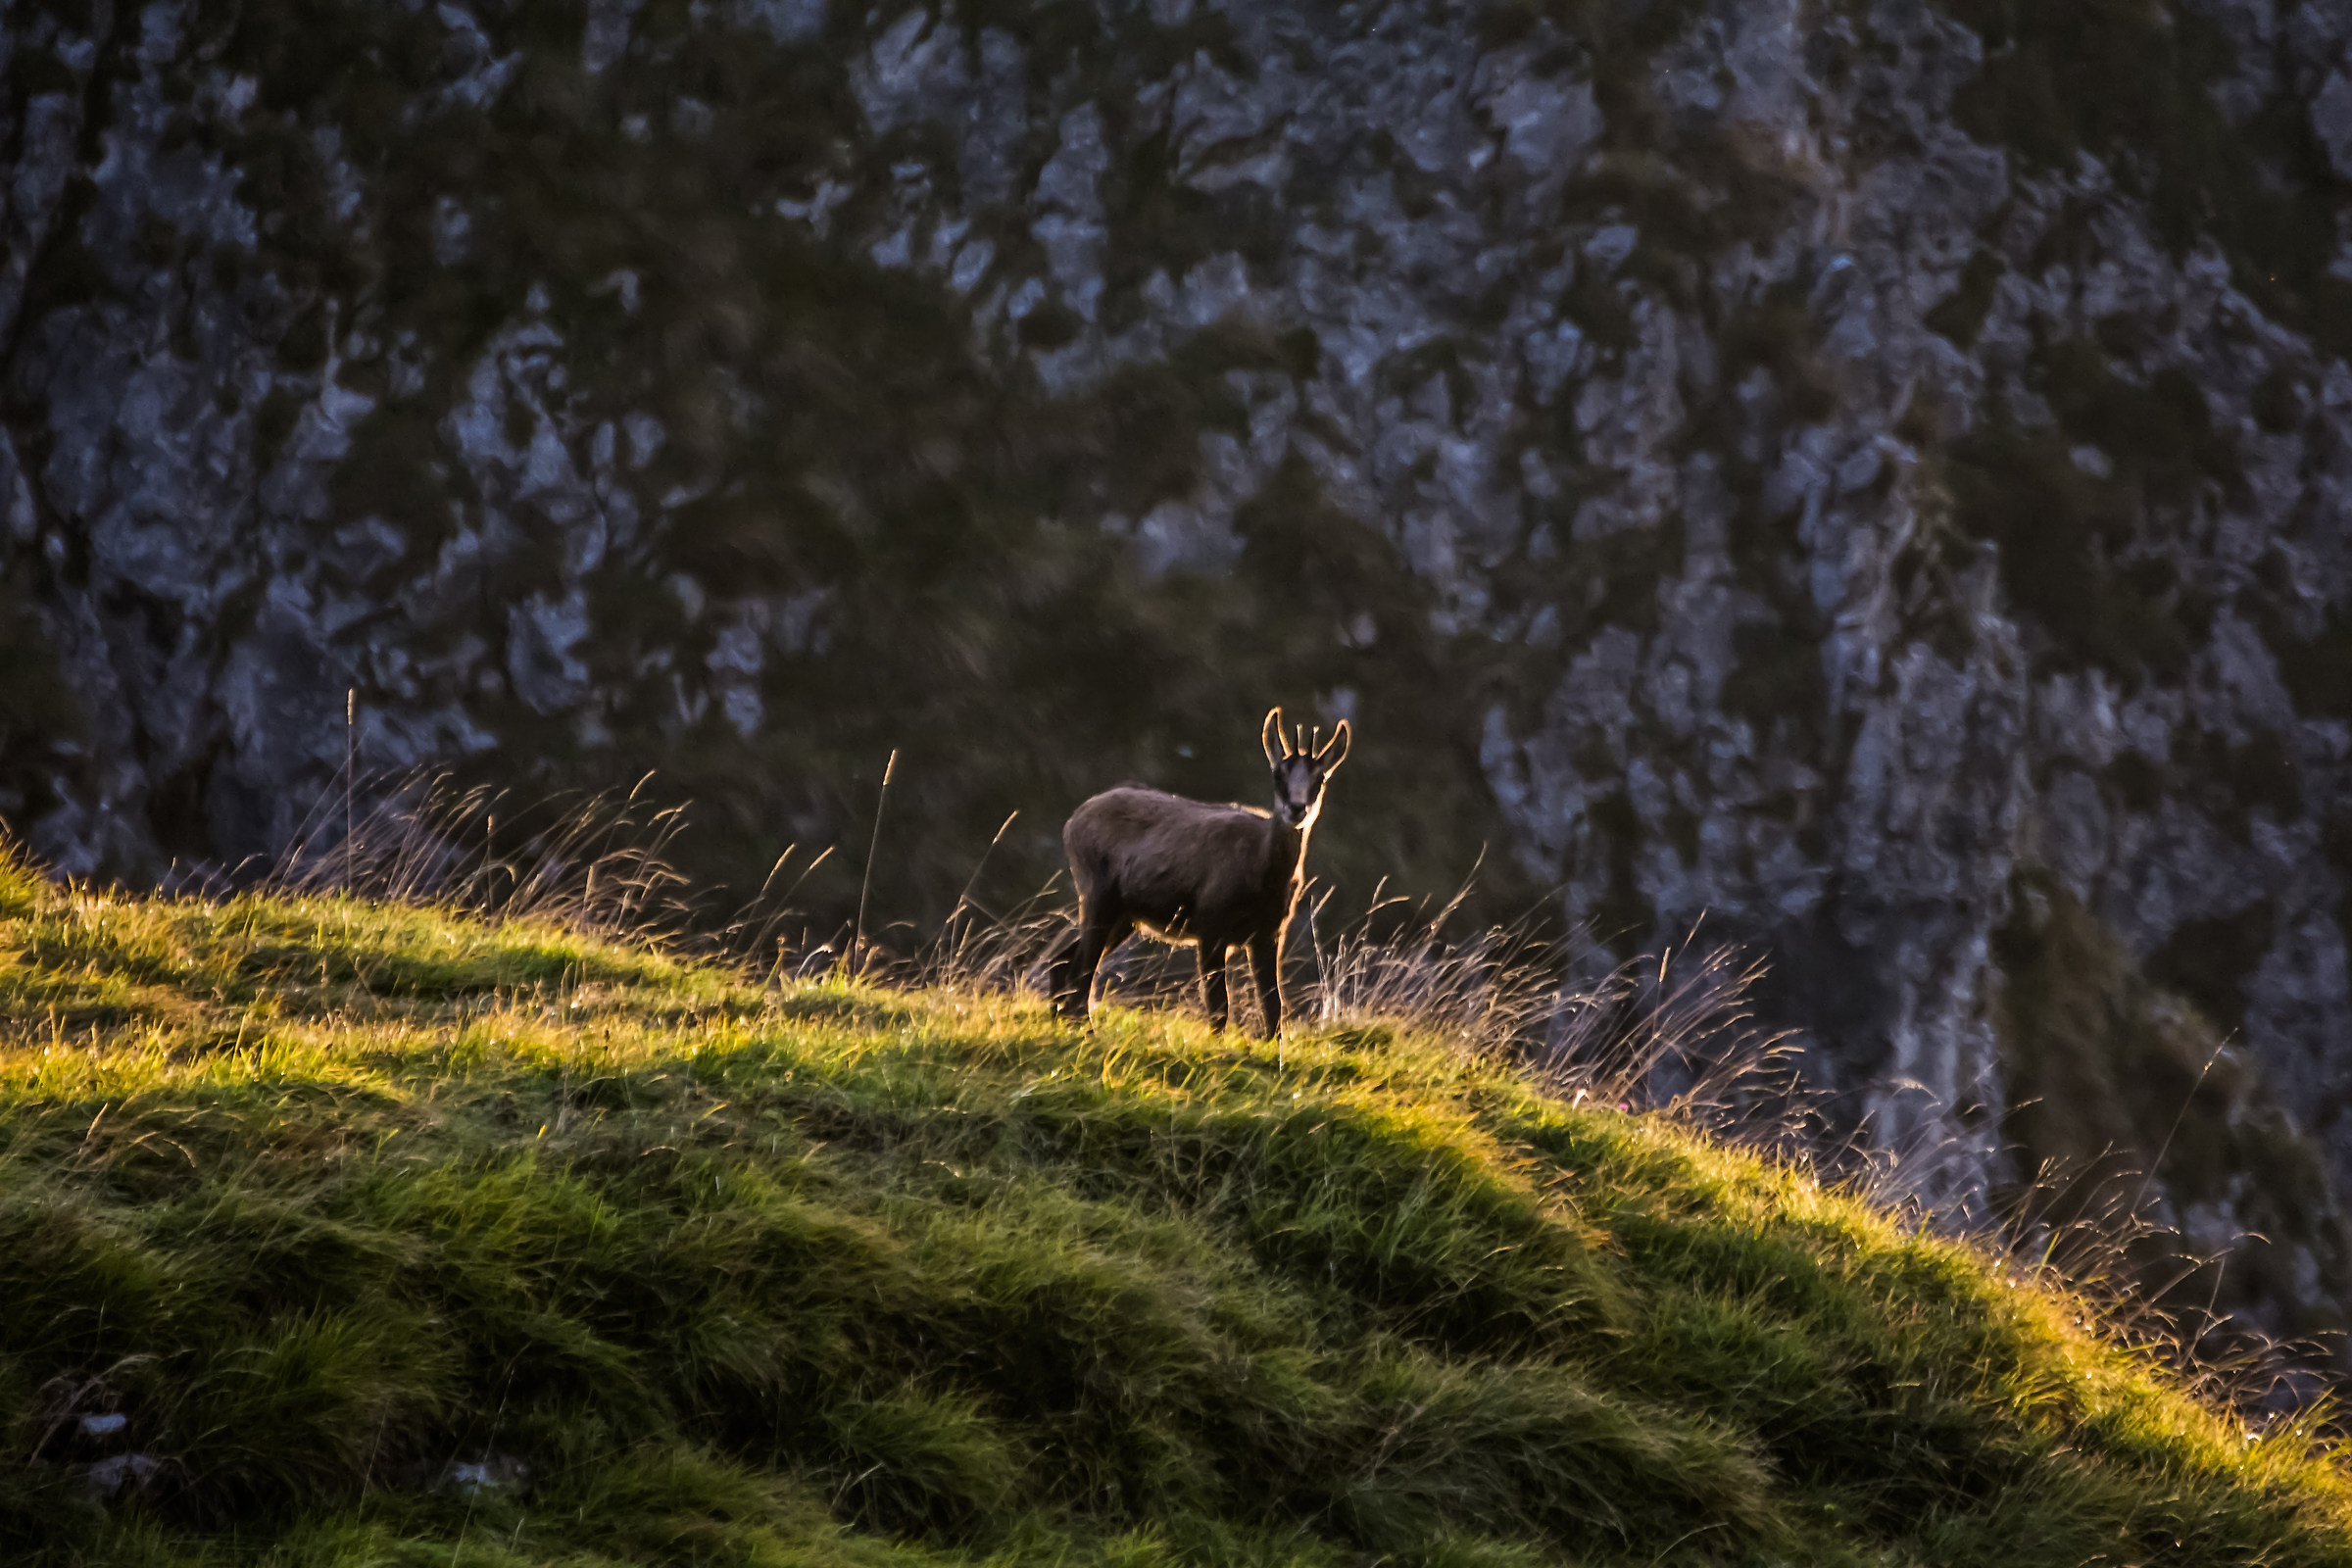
pixel 330 1199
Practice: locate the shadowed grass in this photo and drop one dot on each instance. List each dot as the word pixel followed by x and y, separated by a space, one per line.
pixel 397 1237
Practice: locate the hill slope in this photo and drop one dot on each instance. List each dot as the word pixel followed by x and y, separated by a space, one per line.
pixel 393 1237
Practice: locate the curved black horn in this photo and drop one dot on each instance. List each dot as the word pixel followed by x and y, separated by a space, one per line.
pixel 1271 732
pixel 1341 739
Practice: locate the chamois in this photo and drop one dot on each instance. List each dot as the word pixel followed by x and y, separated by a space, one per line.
pixel 1189 872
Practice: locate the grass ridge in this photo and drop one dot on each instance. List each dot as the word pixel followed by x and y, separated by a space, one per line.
pixel 393 1235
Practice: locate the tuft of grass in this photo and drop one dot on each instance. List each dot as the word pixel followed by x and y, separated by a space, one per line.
pixel 398 1234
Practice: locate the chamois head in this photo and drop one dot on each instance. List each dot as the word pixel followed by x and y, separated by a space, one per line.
pixel 1300 767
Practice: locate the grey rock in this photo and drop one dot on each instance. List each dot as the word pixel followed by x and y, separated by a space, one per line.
pixel 2331 122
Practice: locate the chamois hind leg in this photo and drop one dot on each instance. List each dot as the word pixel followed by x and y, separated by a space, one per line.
pixel 1101 931
pixel 1266 965
pixel 1212 982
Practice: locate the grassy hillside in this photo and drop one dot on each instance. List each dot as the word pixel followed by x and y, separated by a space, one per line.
pixel 395 1238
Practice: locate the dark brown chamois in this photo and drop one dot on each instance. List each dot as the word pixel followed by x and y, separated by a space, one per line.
pixel 1186 871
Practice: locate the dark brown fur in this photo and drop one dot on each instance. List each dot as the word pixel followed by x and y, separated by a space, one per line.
pixel 1214 877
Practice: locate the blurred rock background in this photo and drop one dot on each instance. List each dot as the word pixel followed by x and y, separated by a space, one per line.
pixel 1878 474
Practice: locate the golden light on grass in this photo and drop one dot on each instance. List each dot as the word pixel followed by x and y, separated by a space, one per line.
pixel 396 1234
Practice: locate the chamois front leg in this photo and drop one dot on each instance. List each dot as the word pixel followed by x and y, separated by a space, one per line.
pixel 1212 982
pixel 1100 932
pixel 1266 965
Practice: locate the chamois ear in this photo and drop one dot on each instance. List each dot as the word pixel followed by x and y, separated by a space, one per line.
pixel 1270 733
pixel 1335 750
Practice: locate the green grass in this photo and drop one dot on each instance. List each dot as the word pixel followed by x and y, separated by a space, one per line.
pixel 324 1196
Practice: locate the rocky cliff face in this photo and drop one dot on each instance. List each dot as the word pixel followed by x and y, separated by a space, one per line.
pixel 1877 475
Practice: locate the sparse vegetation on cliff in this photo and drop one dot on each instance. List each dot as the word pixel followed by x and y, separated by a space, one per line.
pixel 2127 1090
pixel 2135 84
pixel 393 1235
